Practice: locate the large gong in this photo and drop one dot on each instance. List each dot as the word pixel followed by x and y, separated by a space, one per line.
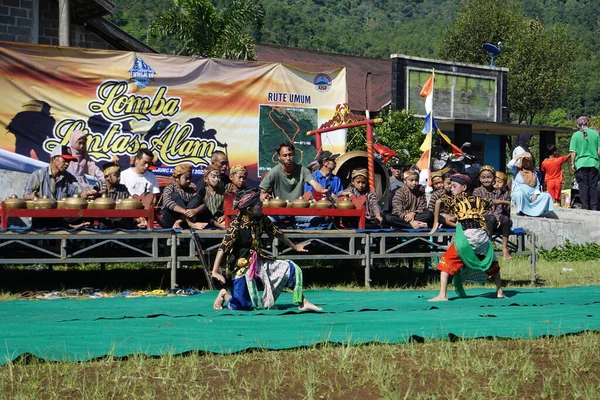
pixel 358 159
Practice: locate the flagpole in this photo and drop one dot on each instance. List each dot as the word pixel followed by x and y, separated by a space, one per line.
pixel 432 132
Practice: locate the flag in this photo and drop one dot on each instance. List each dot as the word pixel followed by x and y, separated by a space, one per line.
pixel 430 125
pixel 427 92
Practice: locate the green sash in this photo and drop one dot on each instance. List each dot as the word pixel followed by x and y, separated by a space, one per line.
pixel 468 256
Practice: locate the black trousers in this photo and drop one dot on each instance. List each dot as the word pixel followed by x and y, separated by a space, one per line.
pixel 505 224
pixel 170 216
pixel 395 221
pixel 587 180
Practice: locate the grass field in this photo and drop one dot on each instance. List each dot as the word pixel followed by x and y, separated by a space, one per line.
pixel 565 367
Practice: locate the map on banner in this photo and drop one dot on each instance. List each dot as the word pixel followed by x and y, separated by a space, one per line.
pixel 279 124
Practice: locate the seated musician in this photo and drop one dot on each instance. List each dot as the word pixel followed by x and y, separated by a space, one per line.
pixel 286 181
pixel 359 186
pixel 409 206
pixel 238 175
pixel 115 190
pixel 56 183
pixel 325 176
pixel 182 205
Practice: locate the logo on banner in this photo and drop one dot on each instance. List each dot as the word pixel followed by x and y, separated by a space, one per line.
pixel 322 82
pixel 141 74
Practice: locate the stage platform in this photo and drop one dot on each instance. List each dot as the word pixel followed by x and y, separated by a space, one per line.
pixel 364 248
pixel 81 330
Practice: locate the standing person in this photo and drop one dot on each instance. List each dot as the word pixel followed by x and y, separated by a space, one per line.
pixel 472 253
pixel 553 176
pixel 242 242
pixel 526 193
pixel 181 204
pixel 494 218
pixel 584 148
pixel 396 178
pixel 331 183
pixel 138 179
pixel 82 165
pixel 359 186
pixel 238 175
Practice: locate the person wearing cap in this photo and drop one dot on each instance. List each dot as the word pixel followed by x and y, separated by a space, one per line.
pixel 56 183
pixel 331 183
pixel 585 149
pixel 359 186
pixel 396 178
pixel 238 174
pixel 182 205
pixel 115 190
pixel 82 165
pixel 138 179
pixel 409 205
pixel 471 255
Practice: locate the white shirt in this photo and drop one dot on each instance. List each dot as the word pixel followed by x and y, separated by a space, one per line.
pixel 139 184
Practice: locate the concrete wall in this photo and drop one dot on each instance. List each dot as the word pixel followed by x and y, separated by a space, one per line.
pixel 578 226
pixel 17 24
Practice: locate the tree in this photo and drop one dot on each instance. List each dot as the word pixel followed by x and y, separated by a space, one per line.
pixel 205 31
pixel 540 60
pixel 399 130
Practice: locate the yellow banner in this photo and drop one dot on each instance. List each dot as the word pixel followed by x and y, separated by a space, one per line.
pixel 181 108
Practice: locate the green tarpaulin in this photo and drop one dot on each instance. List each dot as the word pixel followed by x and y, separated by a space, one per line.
pixel 77 330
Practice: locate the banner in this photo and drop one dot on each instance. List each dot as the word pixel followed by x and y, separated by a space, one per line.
pixel 181 108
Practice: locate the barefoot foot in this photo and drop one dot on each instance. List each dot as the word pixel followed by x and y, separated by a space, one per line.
pixel 506 255
pixel 197 225
pixel 308 306
pixel 218 304
pixel 439 298
pixel 177 224
pixel 500 295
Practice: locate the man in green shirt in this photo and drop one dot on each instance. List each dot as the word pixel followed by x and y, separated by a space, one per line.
pixel 286 181
pixel 585 150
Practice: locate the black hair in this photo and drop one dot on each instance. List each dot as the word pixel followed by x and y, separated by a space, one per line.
pixel 144 152
pixel 286 144
pixel 551 148
pixel 447 175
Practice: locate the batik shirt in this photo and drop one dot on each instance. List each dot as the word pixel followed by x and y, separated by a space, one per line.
pixel 43 182
pixel 406 201
pixel 495 194
pixel 372 205
pixel 435 196
pixel 118 192
pixel 185 194
pixel 244 236
pixel 468 209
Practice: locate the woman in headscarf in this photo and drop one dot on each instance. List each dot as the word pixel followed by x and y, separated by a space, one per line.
pixel 84 165
pixel 521 145
pixel 181 204
pixel 526 192
pixel 246 262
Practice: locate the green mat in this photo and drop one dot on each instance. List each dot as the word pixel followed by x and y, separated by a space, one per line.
pixel 79 330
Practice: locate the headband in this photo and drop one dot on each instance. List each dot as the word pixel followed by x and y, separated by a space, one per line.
pixel 461 178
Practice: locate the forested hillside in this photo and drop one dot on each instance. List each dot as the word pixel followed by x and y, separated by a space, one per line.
pixel 378 28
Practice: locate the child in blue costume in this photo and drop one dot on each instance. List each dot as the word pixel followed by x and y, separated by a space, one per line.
pixel 242 243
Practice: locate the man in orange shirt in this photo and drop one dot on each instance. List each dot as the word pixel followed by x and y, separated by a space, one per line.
pixel 552 168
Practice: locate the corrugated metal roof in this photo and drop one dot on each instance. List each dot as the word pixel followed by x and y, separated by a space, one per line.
pixel 369 80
